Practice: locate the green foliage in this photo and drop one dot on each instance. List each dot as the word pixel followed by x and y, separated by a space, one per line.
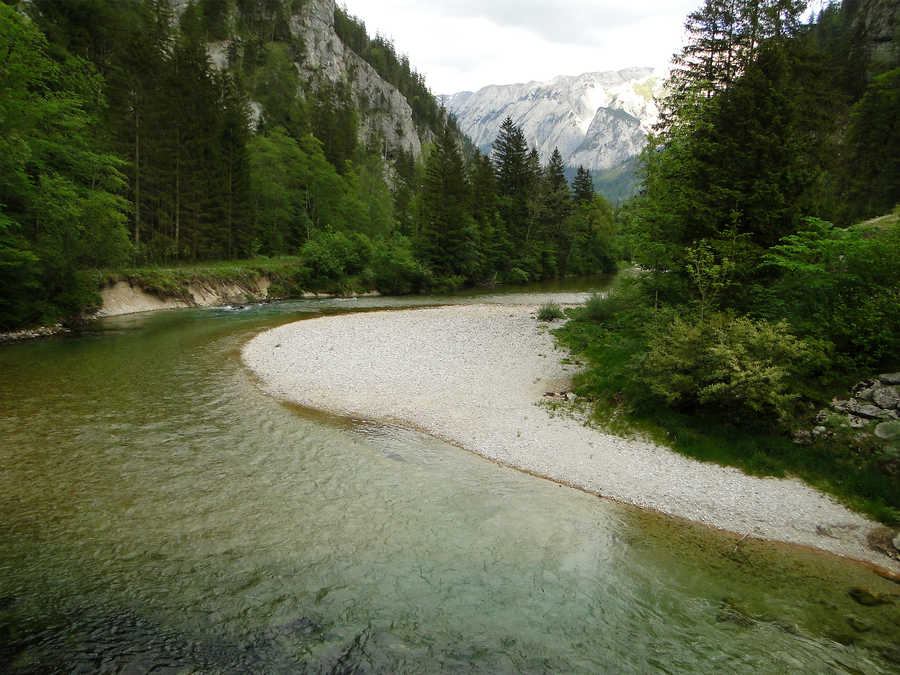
pixel 740 367
pixel 332 255
pixel 841 286
pixel 744 313
pixel 550 311
pixel 446 241
pixel 59 207
pixel 874 140
pixel 396 270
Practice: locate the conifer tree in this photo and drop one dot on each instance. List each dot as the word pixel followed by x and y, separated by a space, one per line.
pixel 582 186
pixel 446 237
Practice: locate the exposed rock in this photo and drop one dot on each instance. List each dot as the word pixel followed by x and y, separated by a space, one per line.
pixel 599 120
pixel 888 431
pixel 875 24
pixel 886 397
pixel 854 407
pixel 31 333
pixel 889 378
pixel 857 422
pixel 896 541
pixel 386 114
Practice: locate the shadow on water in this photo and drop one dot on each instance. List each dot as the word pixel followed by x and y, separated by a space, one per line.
pixel 161 514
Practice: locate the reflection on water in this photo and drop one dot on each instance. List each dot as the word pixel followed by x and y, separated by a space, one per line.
pixel 159 511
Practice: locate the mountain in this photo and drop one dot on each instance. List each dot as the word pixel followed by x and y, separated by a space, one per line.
pixel 597 120
pixel 320 56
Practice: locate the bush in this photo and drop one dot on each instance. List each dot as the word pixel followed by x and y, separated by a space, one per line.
pixel 549 312
pixel 332 255
pixel 735 365
pixel 841 286
pixel 395 269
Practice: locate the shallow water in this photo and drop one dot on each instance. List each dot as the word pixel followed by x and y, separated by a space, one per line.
pixel 160 513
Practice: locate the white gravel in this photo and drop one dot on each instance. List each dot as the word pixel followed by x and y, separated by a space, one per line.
pixel 473 375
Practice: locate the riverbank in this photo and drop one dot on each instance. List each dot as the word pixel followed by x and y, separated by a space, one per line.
pixel 474 376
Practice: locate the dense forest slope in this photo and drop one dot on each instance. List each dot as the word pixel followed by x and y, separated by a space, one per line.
pixel 147 133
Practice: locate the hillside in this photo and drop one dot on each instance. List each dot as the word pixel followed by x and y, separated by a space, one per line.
pixel 163 133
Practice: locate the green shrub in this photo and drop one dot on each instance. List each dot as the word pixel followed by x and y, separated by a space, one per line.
pixel 332 255
pixel 395 269
pixel 842 286
pixel 735 365
pixel 550 311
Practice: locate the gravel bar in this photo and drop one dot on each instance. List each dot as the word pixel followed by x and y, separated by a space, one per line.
pixel 474 375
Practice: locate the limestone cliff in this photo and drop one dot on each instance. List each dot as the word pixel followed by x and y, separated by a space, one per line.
pixel 384 112
pixel 876 30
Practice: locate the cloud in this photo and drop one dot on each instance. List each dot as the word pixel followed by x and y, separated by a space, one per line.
pixel 568 22
pixel 467 44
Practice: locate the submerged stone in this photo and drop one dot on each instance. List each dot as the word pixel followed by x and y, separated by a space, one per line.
pixel 867 598
pixel 858 624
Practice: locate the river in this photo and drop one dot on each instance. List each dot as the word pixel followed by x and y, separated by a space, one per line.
pixel 160 513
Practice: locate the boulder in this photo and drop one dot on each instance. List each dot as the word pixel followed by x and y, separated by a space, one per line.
pixel 870 411
pixel 867 598
pixel 886 397
pixel 888 431
pixel 857 422
pixel 854 407
pixel 889 378
pixel 864 391
pixel 896 542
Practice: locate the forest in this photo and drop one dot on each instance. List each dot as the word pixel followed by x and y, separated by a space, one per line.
pixel 122 146
pixel 761 291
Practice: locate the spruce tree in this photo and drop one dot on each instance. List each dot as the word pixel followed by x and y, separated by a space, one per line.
pixel 446 238
pixel 582 186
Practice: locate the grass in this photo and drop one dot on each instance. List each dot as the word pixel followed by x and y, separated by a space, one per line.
pixel 550 311
pixel 879 225
pixel 173 280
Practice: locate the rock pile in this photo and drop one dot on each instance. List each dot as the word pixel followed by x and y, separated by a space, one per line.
pixel 872 412
pixel 31 333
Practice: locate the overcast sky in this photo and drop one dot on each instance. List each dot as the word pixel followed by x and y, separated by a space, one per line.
pixel 467 44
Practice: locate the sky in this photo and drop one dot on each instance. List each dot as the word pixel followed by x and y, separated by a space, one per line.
pixel 461 45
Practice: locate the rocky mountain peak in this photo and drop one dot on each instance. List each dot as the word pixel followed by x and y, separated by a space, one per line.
pixel 598 119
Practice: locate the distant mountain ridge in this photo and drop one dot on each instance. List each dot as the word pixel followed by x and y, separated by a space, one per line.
pixel 598 120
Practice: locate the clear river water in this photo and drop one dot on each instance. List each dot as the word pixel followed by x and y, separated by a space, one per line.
pixel 160 513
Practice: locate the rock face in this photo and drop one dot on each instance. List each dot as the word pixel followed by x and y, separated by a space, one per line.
pixel 876 24
pixel 598 120
pixel 384 111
